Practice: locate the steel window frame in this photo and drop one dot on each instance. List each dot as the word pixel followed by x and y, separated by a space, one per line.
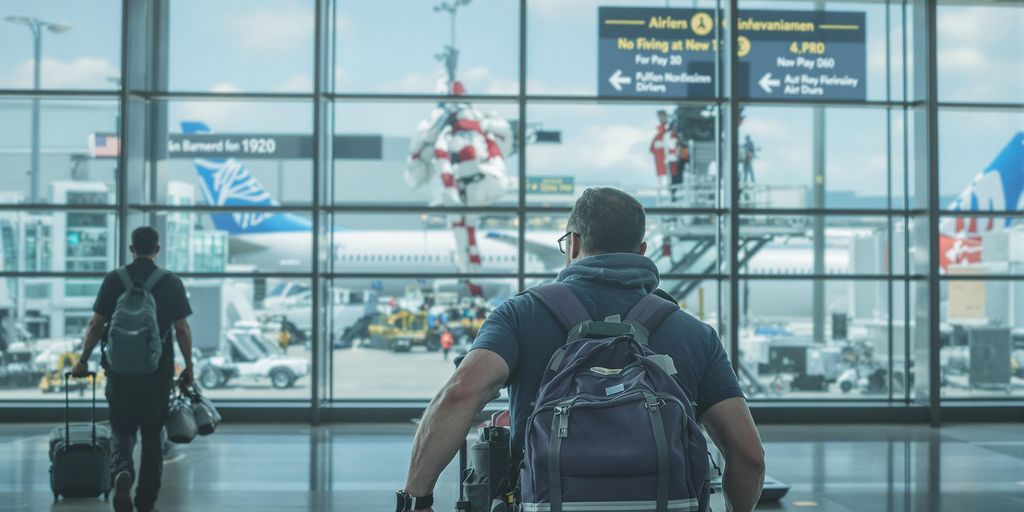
pixel 322 207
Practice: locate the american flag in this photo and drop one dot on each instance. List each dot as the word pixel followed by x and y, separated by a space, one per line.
pixel 103 145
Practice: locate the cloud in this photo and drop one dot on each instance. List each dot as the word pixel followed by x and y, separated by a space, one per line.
pixel 80 73
pixel 618 148
pixel 478 80
pixel 779 159
pixel 276 30
pixel 226 87
pixel 561 9
pixel 978 55
pixel 344 25
pixel 214 113
pixel 298 83
pixel 536 86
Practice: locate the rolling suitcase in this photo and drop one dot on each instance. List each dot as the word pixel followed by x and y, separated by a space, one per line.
pixel 80 454
pixel 486 480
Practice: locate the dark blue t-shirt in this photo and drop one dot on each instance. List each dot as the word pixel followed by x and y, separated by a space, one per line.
pixel 525 334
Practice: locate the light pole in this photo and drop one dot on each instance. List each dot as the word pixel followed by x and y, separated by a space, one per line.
pixel 36 26
pixel 450 55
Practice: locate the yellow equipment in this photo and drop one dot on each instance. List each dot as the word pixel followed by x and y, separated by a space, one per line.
pixel 53 380
pixel 403 330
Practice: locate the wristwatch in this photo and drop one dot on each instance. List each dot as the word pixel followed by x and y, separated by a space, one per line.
pixel 408 502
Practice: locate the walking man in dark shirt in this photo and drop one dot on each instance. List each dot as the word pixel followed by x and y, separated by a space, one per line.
pixel 607 270
pixel 138 403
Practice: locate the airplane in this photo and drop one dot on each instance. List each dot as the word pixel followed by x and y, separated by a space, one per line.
pixel 282 241
pixel 276 240
pixel 1000 187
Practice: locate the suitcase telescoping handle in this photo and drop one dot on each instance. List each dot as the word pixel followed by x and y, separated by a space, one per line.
pixel 67 408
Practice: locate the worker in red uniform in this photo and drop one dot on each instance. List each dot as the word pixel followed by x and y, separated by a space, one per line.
pixel 447 342
pixel 667 152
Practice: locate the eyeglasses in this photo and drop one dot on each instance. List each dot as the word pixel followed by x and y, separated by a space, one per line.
pixel 563 243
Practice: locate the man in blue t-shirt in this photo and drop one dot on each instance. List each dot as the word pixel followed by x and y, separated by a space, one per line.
pixel 608 272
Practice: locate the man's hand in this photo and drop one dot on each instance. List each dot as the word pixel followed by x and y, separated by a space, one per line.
pixel 450 415
pixel 81 369
pixel 732 429
pixel 185 379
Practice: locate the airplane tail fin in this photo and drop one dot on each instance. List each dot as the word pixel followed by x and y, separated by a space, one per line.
pixel 225 182
pixel 1000 187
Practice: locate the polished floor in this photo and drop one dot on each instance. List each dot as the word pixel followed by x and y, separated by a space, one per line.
pixel 357 467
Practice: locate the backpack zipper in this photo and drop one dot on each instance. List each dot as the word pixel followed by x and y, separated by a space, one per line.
pixel 624 371
pixel 597 401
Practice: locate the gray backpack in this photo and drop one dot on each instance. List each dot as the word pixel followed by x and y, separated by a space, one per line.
pixel 612 429
pixel 133 345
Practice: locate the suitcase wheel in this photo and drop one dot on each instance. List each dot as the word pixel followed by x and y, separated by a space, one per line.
pixel 56 497
pixel 106 496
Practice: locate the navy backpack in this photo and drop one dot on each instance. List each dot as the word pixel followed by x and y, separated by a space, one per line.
pixel 611 428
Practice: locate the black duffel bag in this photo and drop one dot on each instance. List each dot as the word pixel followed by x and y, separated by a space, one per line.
pixel 181 419
pixel 206 415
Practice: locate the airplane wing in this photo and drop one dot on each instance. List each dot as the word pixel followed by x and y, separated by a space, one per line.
pixel 240 247
pixel 551 257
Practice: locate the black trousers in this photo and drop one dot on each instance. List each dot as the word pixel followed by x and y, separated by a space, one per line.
pixel 138 406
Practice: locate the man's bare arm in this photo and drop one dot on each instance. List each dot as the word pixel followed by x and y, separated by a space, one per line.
pixel 448 418
pixel 733 431
pixel 93 332
pixel 183 333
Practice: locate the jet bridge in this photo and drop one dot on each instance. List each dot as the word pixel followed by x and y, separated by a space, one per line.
pixel 688 243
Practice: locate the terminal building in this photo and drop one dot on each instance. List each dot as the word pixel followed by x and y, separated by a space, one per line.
pixel 836 187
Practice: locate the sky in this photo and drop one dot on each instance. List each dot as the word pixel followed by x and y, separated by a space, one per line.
pixel 389 46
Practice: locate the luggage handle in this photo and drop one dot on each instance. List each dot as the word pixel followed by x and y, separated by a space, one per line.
pixel 67 408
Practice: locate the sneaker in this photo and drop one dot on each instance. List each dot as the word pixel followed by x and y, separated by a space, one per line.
pixel 122 492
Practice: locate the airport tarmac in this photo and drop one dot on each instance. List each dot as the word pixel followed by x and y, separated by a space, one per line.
pixel 361 373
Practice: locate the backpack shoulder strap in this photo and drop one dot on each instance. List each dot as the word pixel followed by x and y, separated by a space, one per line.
pixel 651 311
pixel 126 279
pixel 154 277
pixel 562 302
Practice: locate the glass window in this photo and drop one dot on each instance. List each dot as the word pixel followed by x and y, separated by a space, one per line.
pixel 248 343
pixel 973 44
pixel 678 244
pixel 236 241
pixel 240 45
pixel 839 349
pixel 981 153
pixel 41 324
pixel 404 153
pixel 230 183
pixel 777 155
pixel 78 148
pixel 407 47
pixel 873 53
pixel 57 241
pixel 426 243
pixel 80 43
pixel 780 245
pixel 233 154
pixel 666 155
pixel 982 339
pixel 387 343
pixel 554 73
pixel 700 298
pixel 572 29
pixel 981 245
